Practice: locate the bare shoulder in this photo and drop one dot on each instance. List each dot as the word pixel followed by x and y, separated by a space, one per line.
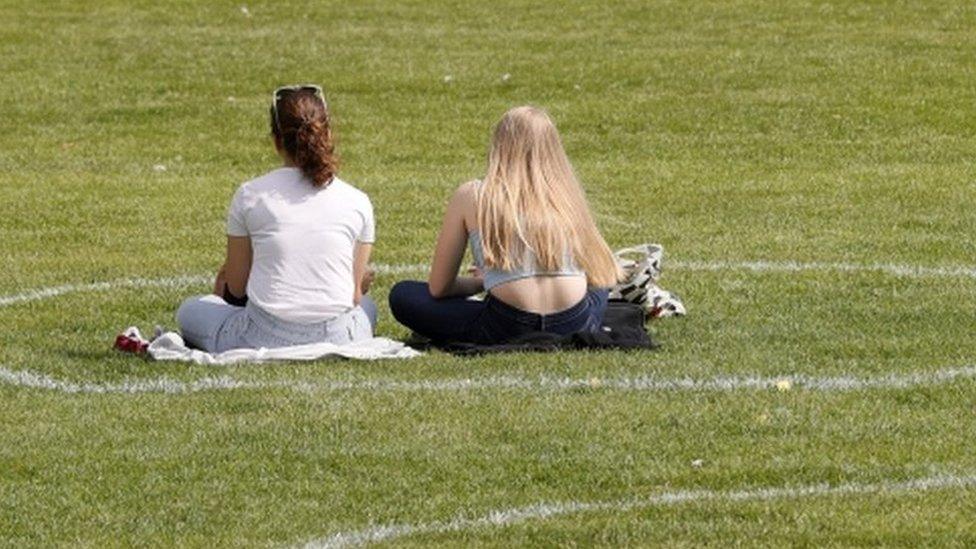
pixel 465 197
pixel 468 191
pixel 464 202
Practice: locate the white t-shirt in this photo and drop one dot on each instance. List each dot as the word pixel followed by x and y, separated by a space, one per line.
pixel 303 239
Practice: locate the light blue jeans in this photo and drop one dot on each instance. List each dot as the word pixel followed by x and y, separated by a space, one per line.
pixel 209 323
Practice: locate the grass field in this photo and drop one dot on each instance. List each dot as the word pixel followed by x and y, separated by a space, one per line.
pixel 808 166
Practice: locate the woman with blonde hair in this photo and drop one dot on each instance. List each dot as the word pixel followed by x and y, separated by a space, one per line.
pixel 537 251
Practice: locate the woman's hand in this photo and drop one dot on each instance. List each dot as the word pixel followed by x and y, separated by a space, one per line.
pixel 220 281
pixel 473 283
pixel 362 275
pixel 367 281
pixel 475 272
pixel 468 285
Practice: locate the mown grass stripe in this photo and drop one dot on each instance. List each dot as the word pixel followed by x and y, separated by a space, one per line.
pixel 36 380
pixel 506 517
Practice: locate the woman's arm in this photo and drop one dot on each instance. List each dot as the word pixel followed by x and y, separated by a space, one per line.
pixel 444 280
pixel 237 266
pixel 361 276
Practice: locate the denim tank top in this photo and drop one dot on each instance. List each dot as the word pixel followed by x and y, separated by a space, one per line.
pixel 496 277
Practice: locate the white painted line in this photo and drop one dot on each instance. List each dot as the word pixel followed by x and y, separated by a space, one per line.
pixel 166 282
pixel 400 268
pixel 55 291
pixel 505 517
pixel 36 380
pixel 614 220
pixel 27 378
pixel 903 271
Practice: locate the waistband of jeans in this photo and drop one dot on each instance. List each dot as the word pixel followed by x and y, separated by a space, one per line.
pixel 524 317
pixel 270 323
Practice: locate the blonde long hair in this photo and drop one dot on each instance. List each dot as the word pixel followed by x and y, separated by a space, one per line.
pixel 531 201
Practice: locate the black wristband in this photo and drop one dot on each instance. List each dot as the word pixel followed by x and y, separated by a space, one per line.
pixel 233 299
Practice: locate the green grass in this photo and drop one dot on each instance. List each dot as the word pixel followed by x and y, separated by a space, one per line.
pixel 726 131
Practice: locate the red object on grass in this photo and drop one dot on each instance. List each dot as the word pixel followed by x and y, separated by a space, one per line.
pixel 129 344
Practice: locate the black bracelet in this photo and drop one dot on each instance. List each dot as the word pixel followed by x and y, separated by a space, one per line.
pixel 233 299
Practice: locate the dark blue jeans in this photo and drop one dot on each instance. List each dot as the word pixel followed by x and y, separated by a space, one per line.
pixel 461 320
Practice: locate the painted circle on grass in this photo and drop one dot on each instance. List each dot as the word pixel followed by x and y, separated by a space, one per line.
pixel 900 271
pixel 27 378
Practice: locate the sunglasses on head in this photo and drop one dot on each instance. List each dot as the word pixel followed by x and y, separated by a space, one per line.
pixel 281 92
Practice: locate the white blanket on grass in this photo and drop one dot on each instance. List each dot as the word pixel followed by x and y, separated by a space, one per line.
pixel 170 346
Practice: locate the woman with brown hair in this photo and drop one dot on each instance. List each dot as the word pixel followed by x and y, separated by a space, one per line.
pixel 537 251
pixel 298 241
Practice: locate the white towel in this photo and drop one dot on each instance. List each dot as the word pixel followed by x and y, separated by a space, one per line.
pixel 170 346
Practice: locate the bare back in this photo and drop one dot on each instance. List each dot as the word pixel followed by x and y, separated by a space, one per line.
pixel 543 294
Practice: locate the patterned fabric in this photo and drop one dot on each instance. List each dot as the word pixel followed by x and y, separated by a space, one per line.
pixel 642 269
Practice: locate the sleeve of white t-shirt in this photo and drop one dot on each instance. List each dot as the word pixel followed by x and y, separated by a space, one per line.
pixel 236 225
pixel 368 233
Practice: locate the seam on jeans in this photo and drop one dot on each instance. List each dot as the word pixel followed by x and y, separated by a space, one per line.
pixel 513 314
pixel 478 326
pixel 214 338
pixel 585 309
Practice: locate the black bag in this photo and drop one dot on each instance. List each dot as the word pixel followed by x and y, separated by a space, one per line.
pixel 623 315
